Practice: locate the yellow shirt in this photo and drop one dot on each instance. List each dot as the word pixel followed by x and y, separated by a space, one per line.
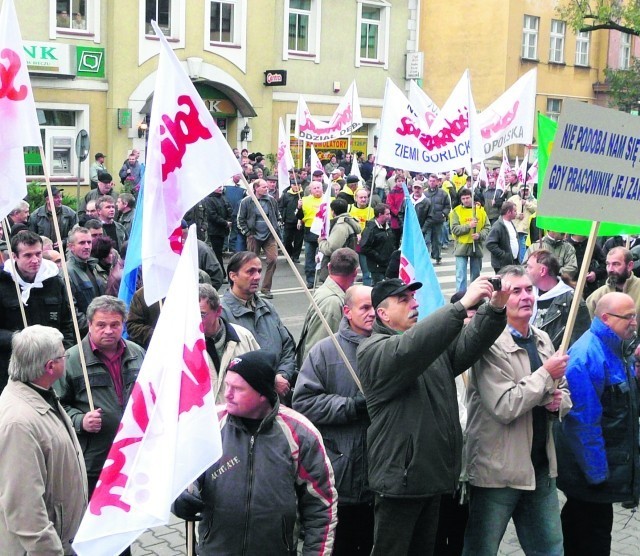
pixel 362 215
pixel 310 205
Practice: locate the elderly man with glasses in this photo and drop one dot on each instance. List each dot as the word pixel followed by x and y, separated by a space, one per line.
pixel 597 442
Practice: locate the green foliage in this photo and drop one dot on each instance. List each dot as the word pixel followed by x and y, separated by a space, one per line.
pixel 591 15
pixel 625 87
pixel 35 196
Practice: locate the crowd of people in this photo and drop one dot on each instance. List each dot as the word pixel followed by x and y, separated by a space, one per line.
pixel 384 434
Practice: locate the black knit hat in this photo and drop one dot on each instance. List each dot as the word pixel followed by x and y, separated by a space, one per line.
pixel 258 368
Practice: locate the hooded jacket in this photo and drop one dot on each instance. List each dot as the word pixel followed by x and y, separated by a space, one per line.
pixel 554 320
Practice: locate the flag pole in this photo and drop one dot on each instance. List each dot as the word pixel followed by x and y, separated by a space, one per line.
pixel 5 224
pixel 67 280
pixel 303 283
pixel 577 293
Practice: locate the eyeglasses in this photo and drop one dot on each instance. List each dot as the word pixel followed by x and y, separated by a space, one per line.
pixel 624 317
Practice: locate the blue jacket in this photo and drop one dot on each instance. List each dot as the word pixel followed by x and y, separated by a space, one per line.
pixel 597 442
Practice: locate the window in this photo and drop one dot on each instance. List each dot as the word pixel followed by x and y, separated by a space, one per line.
pixel 74 19
pixel 373 25
pixel 222 22
pixel 302 22
pixel 160 12
pixel 582 49
pixel 556 44
pixel 369 32
pixel 625 51
pixel 71 14
pixel 554 107
pixel 299 17
pixel 530 37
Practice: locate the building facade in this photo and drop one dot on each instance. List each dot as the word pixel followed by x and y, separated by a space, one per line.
pixel 500 40
pixel 93 66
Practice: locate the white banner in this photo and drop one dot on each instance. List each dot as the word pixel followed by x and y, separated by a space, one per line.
pixel 407 141
pixel 593 172
pixel 345 120
pixel 20 126
pixel 509 120
pixel 422 103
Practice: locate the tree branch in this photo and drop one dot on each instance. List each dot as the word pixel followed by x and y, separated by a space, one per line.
pixel 610 25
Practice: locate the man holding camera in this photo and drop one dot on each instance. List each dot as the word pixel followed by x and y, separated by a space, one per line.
pixel 407 369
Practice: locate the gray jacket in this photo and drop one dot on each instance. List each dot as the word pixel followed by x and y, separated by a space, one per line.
pixel 42 224
pixel 325 394
pixel 267 328
pixel 248 214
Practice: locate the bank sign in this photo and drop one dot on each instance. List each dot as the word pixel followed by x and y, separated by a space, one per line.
pixel 64 60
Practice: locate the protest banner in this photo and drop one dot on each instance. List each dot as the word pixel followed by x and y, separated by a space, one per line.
pixel 345 120
pixel 592 174
pixel 547 129
pixel 594 169
pixel 408 142
pixel 509 120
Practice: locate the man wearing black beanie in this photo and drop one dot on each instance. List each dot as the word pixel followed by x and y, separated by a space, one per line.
pixel 273 471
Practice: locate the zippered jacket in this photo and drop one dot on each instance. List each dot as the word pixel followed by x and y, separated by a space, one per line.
pixel 414 440
pixel 263 484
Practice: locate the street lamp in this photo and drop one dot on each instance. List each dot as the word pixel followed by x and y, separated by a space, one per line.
pixel 246 131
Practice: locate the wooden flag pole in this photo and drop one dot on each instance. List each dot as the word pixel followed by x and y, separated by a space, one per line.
pixel 67 281
pixel 577 294
pixel 15 269
pixel 303 283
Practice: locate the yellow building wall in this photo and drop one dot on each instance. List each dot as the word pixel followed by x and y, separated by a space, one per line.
pixel 486 37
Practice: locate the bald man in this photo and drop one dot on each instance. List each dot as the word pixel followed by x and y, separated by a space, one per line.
pixel 597 442
pixel 327 395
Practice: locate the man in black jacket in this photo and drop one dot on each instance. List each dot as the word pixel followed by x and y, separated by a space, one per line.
pixel 377 242
pixel 502 242
pixel 407 369
pixel 328 396
pixel 42 292
pixel 259 237
pixel 218 221
pixel 554 298
pixel 290 205
pixel 436 217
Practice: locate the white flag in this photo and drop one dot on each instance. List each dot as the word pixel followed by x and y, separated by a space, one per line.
pixel 188 157
pixel 408 142
pixel 169 434
pixel 315 164
pixel 17 111
pixel 509 119
pixel 345 120
pixel 501 181
pixel 355 171
pixel 522 168
pixel 422 103
pixel 284 158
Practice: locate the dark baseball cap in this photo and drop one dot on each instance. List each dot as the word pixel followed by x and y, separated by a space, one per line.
pixel 389 288
pixel 54 191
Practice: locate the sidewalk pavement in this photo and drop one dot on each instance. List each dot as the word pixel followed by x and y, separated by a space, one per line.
pixel 170 540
